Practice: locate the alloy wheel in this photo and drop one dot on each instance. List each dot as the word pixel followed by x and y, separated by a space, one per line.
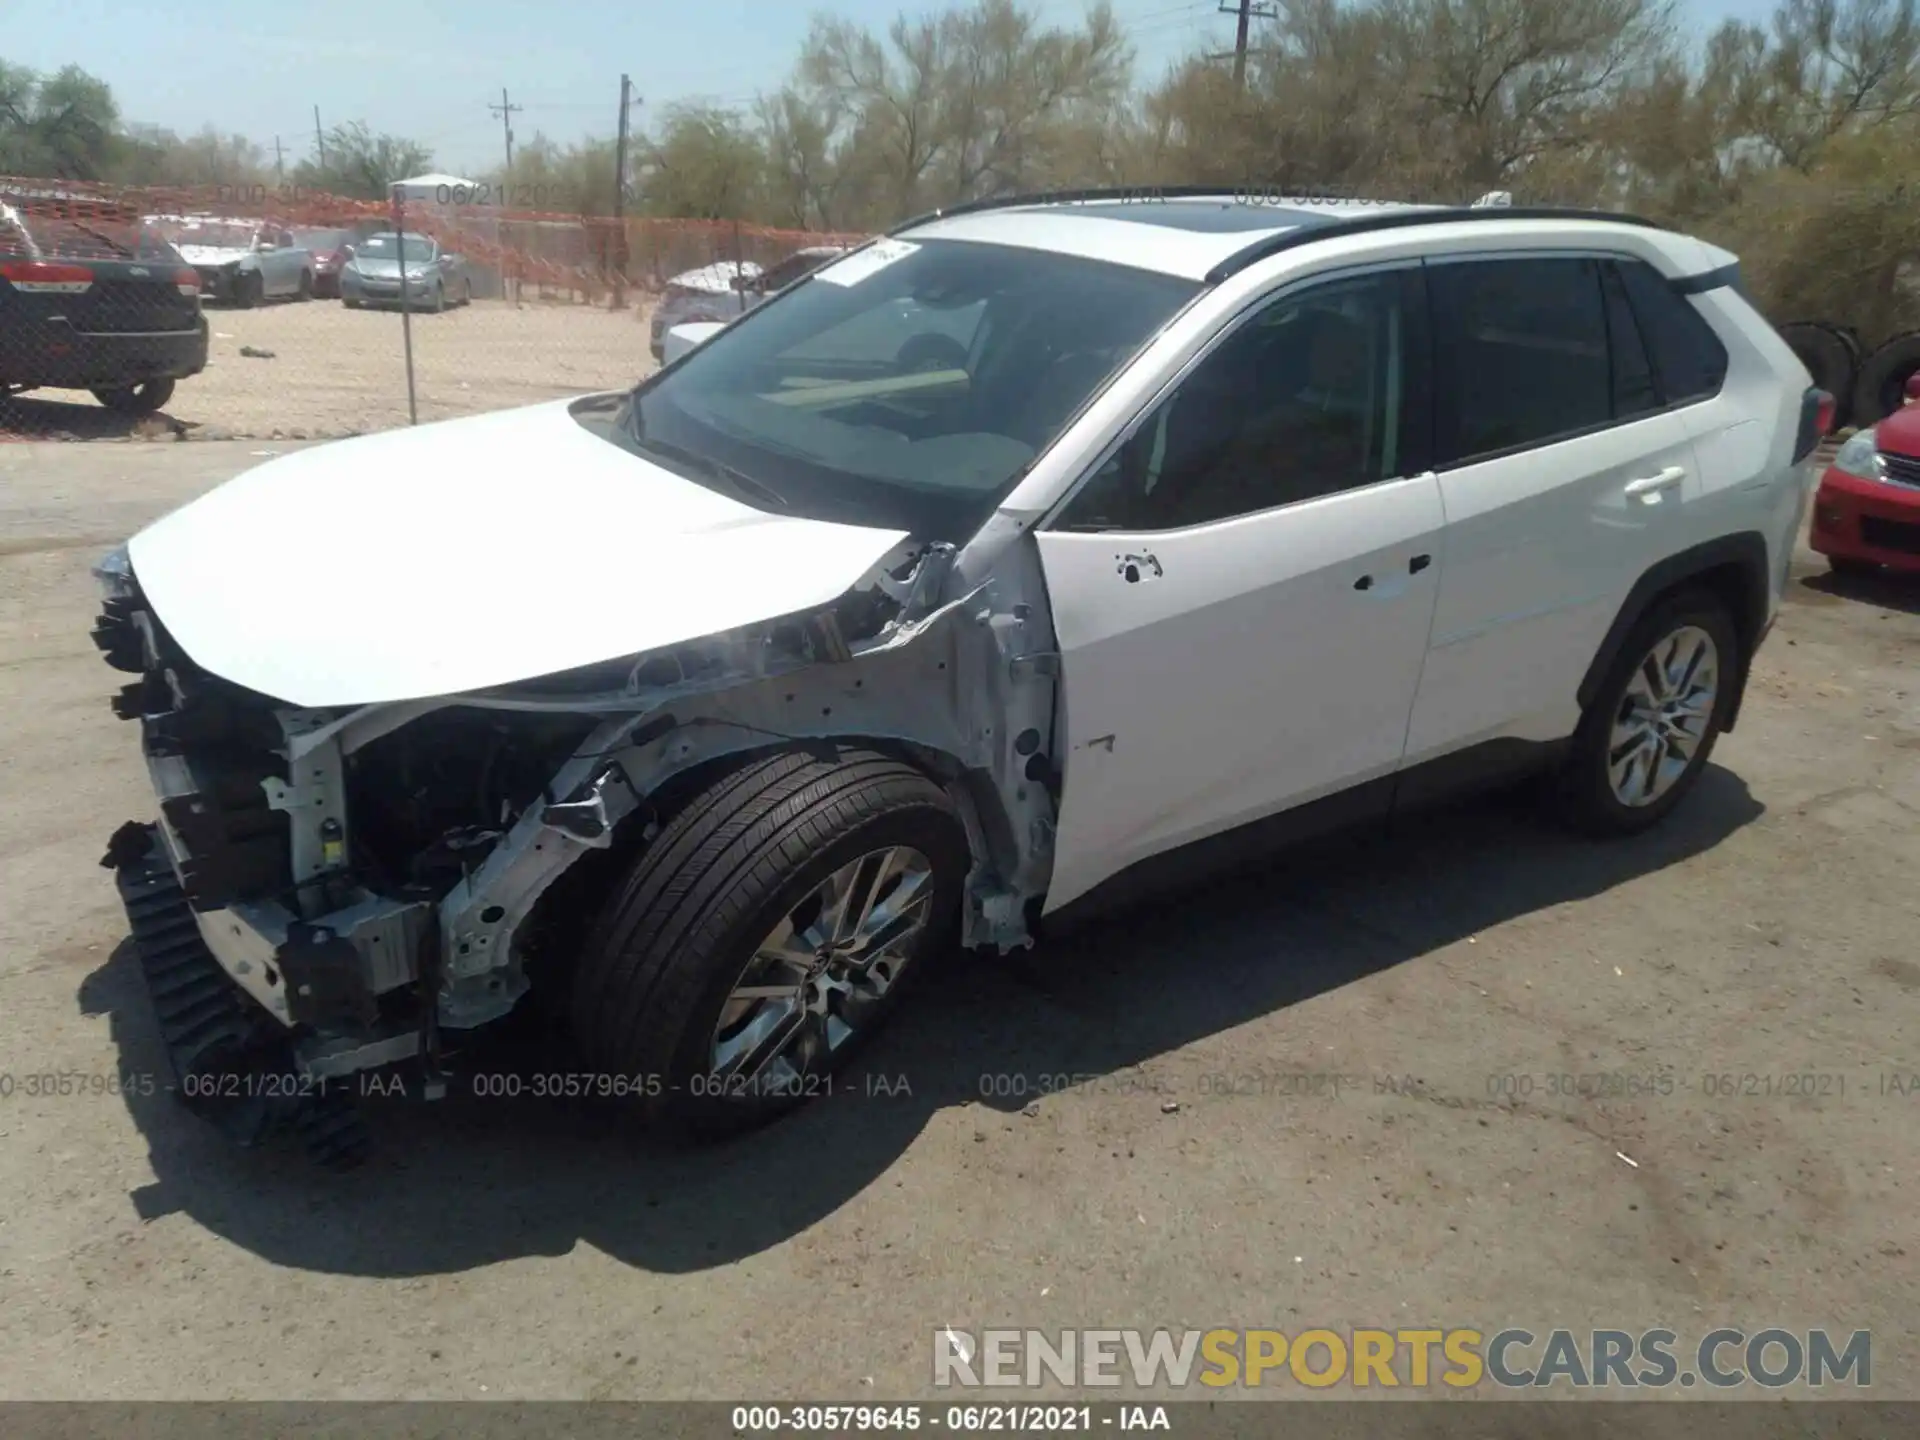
pixel 822 971
pixel 1663 716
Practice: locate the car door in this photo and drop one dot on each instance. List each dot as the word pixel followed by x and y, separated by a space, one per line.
pixel 1563 476
pixel 1242 590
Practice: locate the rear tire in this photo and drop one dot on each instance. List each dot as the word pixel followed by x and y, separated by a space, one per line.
pixel 142 399
pixel 719 902
pixel 250 291
pixel 1624 772
pixel 1883 376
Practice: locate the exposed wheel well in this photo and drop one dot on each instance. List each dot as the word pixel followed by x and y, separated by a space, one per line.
pixel 1733 569
pixel 554 930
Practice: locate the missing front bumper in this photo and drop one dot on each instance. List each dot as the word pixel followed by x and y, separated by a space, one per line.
pixel 234 1065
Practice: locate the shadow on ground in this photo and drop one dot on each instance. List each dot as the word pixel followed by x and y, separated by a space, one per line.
pixel 469 1182
pixel 1885 588
pixel 34 417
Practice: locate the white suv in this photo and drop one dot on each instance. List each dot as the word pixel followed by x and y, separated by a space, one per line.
pixel 711 710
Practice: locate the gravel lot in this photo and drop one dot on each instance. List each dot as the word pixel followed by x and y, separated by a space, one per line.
pixel 497 1249
pixel 336 371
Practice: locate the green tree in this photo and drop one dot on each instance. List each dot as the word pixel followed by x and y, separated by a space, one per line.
pixel 361 164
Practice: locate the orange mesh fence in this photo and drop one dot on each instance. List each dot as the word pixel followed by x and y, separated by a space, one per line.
pixel 216 311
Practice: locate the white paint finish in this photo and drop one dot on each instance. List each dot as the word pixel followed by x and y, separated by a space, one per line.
pixel 1248 677
pixel 1541 550
pixel 471 553
pixel 1190 253
pixel 682 338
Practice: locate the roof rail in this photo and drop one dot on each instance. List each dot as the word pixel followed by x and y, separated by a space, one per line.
pixel 1145 194
pixel 1398 219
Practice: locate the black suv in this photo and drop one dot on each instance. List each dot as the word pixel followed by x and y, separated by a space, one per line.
pixel 91 299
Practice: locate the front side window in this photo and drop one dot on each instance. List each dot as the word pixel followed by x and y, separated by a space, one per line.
pixel 908 386
pixel 1309 397
pixel 1522 354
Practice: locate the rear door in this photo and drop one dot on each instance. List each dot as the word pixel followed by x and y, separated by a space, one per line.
pixel 1242 590
pixel 1564 478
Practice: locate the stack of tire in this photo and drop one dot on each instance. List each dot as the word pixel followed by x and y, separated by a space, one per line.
pixel 1865 387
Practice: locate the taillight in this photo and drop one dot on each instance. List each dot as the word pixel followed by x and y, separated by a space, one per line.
pixel 1816 422
pixel 187 282
pixel 46 277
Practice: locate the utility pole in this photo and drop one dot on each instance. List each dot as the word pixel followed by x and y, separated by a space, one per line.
pixel 1246 11
pixel 619 256
pixel 507 112
pixel 319 138
pixel 279 160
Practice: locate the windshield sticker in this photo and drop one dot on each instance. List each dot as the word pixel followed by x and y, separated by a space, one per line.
pixel 862 263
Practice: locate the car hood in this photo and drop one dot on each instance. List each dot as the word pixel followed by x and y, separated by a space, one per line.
pixel 212 254
pixel 472 553
pixel 1900 431
pixel 390 269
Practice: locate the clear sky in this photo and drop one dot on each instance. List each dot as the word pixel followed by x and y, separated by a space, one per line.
pixel 427 69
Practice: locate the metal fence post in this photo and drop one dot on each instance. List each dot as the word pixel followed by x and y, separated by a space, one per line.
pixel 406 311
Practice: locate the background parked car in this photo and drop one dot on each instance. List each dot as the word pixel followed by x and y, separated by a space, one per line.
pixel 709 295
pixel 331 249
pixel 435 279
pixel 90 299
pixel 718 294
pixel 240 261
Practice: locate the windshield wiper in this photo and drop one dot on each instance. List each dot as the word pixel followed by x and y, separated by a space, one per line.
pixel 743 485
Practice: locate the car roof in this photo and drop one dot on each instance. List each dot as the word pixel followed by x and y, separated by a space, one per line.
pixel 1198 236
pixel 1186 236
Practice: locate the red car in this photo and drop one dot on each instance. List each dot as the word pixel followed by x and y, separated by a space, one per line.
pixel 331 249
pixel 1867 511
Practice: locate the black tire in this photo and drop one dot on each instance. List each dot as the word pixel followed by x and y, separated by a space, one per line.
pixel 142 399
pixel 677 934
pixel 250 291
pixel 1833 363
pixel 305 292
pixel 350 303
pixel 1585 796
pixel 439 298
pixel 1884 376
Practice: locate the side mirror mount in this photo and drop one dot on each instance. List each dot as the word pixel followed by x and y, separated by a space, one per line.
pixel 682 338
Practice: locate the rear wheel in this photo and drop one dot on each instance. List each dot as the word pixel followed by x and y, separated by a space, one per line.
pixel 250 290
pixel 1644 740
pixel 769 929
pixel 142 399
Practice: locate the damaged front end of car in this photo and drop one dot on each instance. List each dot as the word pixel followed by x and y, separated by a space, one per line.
pixel 334 891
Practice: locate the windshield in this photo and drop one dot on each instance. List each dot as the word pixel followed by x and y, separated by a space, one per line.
pixel 387 247
pixel 215 234
pixel 66 237
pixel 907 387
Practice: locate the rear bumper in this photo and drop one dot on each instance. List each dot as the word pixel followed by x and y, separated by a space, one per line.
pixel 1867 520
pixel 54 353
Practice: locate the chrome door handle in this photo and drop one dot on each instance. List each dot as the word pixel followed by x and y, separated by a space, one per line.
pixel 1653 485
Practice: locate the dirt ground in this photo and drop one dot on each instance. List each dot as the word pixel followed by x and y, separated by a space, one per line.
pixel 1319 1097
pixel 335 371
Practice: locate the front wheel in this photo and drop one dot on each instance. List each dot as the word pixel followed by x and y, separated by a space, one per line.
pixel 142 399
pixel 305 292
pixel 766 932
pixel 250 291
pixel 439 298
pixel 1644 740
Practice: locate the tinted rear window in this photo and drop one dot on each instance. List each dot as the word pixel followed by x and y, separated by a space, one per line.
pixel 1688 357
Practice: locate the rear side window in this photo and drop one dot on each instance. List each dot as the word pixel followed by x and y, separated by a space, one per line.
pixel 1522 354
pixel 1688 359
pixel 1634 390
